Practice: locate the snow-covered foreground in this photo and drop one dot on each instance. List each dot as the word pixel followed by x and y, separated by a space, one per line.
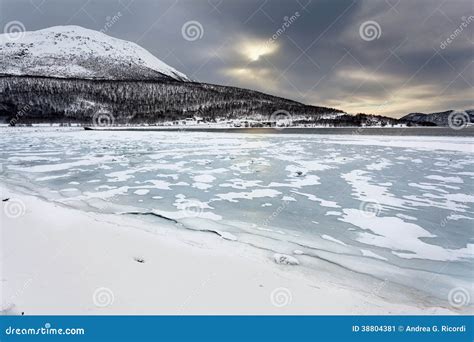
pixel 181 222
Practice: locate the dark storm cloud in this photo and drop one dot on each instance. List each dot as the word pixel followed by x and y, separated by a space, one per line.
pixel 317 55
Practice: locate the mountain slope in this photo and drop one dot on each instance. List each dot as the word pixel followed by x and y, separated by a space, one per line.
pixel 76 52
pixel 439 118
pixel 72 74
pixel 43 99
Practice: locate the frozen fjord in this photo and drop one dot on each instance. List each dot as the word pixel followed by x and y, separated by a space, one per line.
pixel 394 208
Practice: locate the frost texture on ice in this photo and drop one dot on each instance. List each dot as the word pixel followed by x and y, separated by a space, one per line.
pixel 287 193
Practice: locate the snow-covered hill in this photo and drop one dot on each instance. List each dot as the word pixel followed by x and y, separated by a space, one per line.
pixel 446 118
pixel 76 52
pixel 72 74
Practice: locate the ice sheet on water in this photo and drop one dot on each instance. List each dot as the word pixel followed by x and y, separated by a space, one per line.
pixel 274 192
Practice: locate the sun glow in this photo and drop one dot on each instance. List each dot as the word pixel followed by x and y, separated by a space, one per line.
pixel 255 49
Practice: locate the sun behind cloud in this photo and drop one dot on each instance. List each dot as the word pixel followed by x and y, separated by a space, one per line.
pixel 254 49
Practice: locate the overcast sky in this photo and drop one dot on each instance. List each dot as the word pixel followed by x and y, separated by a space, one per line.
pixel 386 57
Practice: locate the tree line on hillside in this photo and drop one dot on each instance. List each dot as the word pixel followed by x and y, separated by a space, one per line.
pixel 26 100
pixel 64 100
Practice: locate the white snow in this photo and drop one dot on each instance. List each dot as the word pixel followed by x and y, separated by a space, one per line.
pixel 77 52
pixel 333 213
pixel 183 273
pixel 330 238
pixel 422 223
pixel 406 217
pixel 379 165
pixel 322 202
pixel 370 254
pixel 288 199
pixel 398 235
pixel 141 192
pixel 206 178
pixel 257 193
pixel 445 179
pixel 284 259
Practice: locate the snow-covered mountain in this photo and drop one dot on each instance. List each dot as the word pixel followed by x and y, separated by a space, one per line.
pixel 440 118
pixel 72 74
pixel 77 52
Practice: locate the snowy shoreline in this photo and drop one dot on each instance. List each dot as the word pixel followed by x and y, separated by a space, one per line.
pixel 354 131
pixel 57 260
pixel 170 223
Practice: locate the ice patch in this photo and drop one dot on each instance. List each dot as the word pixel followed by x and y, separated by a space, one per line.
pixel 288 199
pixel 330 238
pixel 456 180
pixel 401 237
pixel 370 254
pixel 333 213
pixel 257 193
pixel 284 259
pixel 456 217
pixel 406 217
pixel 141 192
pixel 202 186
pixel 206 178
pixel 241 184
pixel 63 166
pixel 322 202
pixel 379 165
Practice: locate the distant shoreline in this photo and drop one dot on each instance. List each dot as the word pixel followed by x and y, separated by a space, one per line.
pixel 391 131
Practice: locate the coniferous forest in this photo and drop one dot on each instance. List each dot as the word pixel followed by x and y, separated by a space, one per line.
pixel 27 100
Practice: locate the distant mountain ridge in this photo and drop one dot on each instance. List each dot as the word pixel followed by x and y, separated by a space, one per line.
pixel 439 118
